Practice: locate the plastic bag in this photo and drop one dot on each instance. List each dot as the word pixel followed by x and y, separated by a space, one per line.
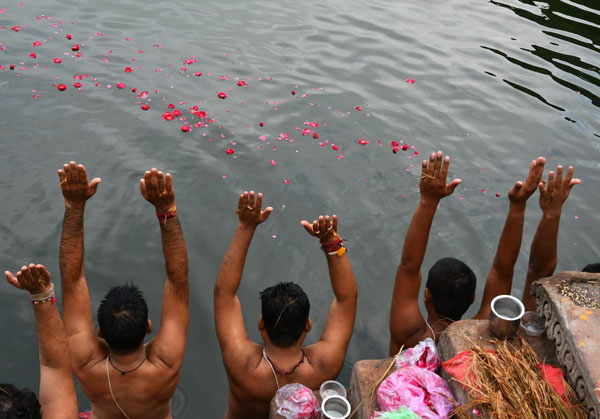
pixel 402 413
pixel 422 355
pixel 296 401
pixel 422 391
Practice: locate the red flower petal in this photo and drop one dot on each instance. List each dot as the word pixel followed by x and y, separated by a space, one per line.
pixel 61 87
pixel 222 95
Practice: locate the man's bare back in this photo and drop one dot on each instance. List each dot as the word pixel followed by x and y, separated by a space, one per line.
pixel 253 381
pixel 144 393
pixel 143 378
pixel 251 391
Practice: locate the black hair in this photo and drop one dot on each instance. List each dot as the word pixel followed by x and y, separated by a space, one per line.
pixel 592 268
pixel 123 318
pixel 18 404
pixel 285 309
pixel 452 286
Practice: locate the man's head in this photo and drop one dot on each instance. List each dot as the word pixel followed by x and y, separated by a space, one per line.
pixel 451 284
pixel 592 268
pixel 21 404
pixel 285 310
pixel 123 318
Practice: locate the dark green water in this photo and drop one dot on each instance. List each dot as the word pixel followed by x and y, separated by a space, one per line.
pixel 496 84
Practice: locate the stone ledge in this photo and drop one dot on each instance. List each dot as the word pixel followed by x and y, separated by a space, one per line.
pixel 575 328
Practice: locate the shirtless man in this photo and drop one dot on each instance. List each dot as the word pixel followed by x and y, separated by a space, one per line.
pixel 543 254
pixel 451 284
pixel 57 392
pixel 122 376
pixel 255 371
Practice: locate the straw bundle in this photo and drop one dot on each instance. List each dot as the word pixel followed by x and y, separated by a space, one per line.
pixel 509 385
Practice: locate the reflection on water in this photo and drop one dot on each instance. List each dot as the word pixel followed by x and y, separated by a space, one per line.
pixel 496 85
pixel 577 25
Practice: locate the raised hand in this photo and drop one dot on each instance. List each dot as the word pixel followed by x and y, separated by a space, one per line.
pixel 157 189
pixel 250 210
pixel 325 228
pixel 32 278
pixel 74 184
pixel 433 177
pixel 554 194
pixel 521 192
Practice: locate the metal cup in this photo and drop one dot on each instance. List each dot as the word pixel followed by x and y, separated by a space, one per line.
pixel 330 388
pixel 505 316
pixel 335 407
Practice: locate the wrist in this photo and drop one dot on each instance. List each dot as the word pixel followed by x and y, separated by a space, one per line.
pixel 551 215
pixel 518 206
pixel 166 209
pixel 247 228
pixel 429 202
pixel 75 205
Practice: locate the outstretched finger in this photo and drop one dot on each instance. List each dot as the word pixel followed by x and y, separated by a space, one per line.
pixel 550 185
pixel 568 176
pixel 169 182
pixel 251 201
pixel 444 172
pixel 573 183
pixel 259 199
pixel 147 182
pixel 307 226
pixel 265 214
pixel 143 188
pixel 10 278
pixel 334 222
pixel 154 179
pixel 82 173
pixel 558 185
pixel 438 164
pixel 74 172
pixel 542 188
pixel 423 168
pixel 244 200
pixel 531 174
pixel 452 185
pixel 67 171
pixel 431 165
pixel 315 228
pixel 328 226
pixel 161 181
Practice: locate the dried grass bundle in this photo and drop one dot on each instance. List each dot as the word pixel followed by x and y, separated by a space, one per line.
pixel 509 385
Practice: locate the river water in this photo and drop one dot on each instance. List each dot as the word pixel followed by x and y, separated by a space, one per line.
pixel 496 84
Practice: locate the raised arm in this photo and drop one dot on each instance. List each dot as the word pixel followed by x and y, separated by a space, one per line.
pixel 340 320
pixel 229 319
pixel 542 257
pixel 57 392
pixel 499 280
pixel 406 319
pixel 77 310
pixel 157 188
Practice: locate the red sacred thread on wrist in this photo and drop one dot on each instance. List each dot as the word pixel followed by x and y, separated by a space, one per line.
pixel 168 215
pixel 332 246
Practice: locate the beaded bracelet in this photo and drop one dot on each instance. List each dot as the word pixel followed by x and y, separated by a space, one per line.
pixel 47 296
